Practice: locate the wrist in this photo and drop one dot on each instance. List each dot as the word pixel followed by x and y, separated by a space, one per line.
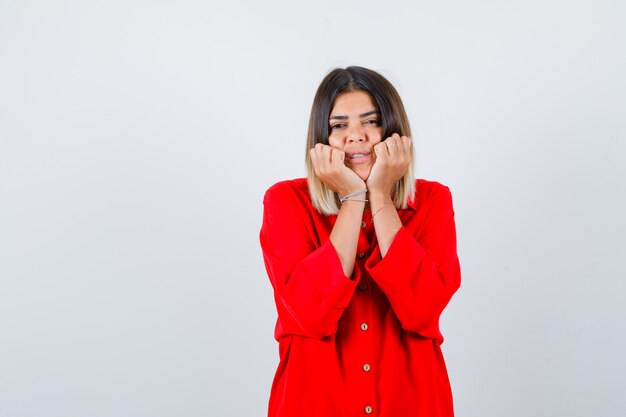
pixel 379 196
pixel 357 192
pixel 352 206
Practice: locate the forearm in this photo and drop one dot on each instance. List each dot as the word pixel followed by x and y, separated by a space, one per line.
pixel 418 278
pixel 418 274
pixel 386 220
pixel 345 233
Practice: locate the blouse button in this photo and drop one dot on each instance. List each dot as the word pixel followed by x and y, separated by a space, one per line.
pixel 364 326
pixel 361 255
pixel 367 367
pixel 368 409
pixel 363 224
pixel 362 286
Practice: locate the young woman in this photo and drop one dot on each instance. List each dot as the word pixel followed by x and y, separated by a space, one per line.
pixel 362 258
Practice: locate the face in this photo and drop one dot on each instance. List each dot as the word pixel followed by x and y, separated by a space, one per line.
pixel 355 128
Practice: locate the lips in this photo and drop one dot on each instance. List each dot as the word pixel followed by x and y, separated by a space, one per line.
pixel 356 158
pixel 358 155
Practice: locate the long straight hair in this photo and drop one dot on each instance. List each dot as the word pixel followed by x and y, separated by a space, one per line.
pixel 393 120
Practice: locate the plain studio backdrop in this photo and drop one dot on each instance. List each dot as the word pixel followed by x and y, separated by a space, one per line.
pixel 137 139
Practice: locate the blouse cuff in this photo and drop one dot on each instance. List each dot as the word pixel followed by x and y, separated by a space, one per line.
pixel 393 272
pixel 334 286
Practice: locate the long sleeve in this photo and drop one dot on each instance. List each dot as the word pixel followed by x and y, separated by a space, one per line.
pixel 420 272
pixel 310 288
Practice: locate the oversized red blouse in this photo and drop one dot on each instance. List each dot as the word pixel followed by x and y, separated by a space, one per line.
pixel 368 345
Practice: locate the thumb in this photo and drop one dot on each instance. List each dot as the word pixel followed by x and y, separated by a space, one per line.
pixel 338 156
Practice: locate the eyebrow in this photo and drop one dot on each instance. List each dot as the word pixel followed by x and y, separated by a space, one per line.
pixel 367 113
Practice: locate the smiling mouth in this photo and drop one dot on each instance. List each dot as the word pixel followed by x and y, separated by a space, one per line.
pixel 359 158
pixel 359 155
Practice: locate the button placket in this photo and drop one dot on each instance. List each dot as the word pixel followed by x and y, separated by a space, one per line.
pixel 366 354
pixel 366 338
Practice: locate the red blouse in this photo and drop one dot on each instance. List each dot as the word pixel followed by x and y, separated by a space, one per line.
pixel 369 345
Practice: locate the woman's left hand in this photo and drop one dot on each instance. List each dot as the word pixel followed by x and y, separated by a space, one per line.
pixel 393 157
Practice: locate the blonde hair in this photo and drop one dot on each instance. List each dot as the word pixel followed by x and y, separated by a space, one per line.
pixel 393 120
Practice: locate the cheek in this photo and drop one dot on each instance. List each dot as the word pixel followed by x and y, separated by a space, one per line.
pixel 376 135
pixel 334 141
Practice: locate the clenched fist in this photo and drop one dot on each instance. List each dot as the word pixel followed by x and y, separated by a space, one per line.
pixel 329 165
pixel 393 157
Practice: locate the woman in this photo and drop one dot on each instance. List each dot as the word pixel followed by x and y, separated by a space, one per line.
pixel 362 258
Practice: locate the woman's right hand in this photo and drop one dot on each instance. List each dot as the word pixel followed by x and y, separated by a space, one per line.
pixel 329 166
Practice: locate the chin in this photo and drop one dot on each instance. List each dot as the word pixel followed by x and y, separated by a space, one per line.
pixel 363 173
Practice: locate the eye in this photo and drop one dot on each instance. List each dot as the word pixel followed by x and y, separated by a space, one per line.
pixel 373 122
pixel 337 126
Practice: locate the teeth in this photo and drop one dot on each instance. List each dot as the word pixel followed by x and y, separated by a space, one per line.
pixel 357 155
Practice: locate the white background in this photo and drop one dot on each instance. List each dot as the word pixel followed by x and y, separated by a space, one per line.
pixel 137 139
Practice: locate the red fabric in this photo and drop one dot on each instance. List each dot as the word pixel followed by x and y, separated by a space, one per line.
pixel 370 341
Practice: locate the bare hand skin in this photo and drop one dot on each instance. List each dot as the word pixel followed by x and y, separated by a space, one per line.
pixel 329 165
pixel 393 157
pixel 330 168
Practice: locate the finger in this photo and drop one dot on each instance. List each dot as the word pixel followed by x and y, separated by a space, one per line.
pixel 381 151
pixel 319 153
pixel 337 157
pixel 395 138
pixel 393 144
pixel 321 158
pixel 326 154
pixel 400 143
pixel 318 149
pixel 406 144
pixel 315 160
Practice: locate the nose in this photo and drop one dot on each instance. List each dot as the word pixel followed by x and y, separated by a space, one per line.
pixel 356 134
